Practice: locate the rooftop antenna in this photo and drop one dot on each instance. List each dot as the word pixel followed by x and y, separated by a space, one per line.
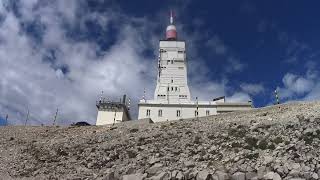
pixel 144 94
pixel 171 17
pixel 101 96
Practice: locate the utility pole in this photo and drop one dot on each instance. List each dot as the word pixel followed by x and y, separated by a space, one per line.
pixel 7 116
pixel 27 118
pixel 277 96
pixel 114 119
pixel 129 102
pixel 197 111
pixel 55 117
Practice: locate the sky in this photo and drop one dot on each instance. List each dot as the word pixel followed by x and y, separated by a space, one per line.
pixel 58 54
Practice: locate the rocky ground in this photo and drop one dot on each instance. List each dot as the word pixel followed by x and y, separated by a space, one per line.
pixel 278 142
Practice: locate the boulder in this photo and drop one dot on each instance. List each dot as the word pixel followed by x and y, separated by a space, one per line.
pixel 238 176
pixel 161 176
pixel 222 175
pixel 137 176
pixel 153 170
pixel 272 176
pixel 203 175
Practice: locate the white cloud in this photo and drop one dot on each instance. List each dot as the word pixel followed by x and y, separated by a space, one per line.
pixel 235 65
pixel 297 84
pixel 252 89
pixel 28 82
pixel 239 97
pixel 217 45
pixel 301 87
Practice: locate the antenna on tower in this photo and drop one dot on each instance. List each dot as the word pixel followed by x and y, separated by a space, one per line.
pixel 171 17
pixel 101 96
pixel 144 94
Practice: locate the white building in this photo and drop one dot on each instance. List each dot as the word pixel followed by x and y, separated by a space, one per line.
pixel 112 112
pixel 172 99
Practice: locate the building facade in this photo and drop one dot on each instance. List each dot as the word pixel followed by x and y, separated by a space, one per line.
pixel 111 112
pixel 172 98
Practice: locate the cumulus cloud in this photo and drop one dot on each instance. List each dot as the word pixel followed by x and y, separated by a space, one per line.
pixel 217 45
pixel 301 87
pixel 297 84
pixel 252 89
pixel 50 67
pixel 235 65
pixel 31 82
pixel 239 97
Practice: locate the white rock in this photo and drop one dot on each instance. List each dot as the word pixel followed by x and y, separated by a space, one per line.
pixel 155 168
pixel 179 175
pixel 272 176
pixel 238 176
pixel 203 175
pixel 137 176
pixel 161 176
pixel 268 159
pixel 222 175
pixel 251 175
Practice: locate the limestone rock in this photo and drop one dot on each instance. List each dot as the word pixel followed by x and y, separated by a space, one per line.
pixel 238 176
pixel 155 168
pixel 222 175
pixel 137 176
pixel 272 176
pixel 161 176
pixel 203 175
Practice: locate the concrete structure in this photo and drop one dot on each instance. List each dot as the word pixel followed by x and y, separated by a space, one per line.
pixel 112 112
pixel 172 99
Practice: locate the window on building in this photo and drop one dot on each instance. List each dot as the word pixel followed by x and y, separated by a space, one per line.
pixel 196 113
pixel 160 113
pixel 180 52
pixel 207 112
pixel 168 88
pixel 171 80
pixel 178 113
pixel 148 112
pixel 171 88
pixel 176 88
pixel 171 61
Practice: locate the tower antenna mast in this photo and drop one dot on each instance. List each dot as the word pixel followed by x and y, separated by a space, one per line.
pixel 171 17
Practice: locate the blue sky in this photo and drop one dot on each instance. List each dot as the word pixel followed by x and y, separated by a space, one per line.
pixel 62 54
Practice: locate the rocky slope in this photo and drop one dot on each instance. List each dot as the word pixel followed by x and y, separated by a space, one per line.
pixel 278 142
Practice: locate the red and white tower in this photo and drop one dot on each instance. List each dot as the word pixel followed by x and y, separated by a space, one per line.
pixel 171 32
pixel 172 99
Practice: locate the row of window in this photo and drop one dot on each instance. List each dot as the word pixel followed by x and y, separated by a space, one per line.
pixel 180 52
pixel 171 61
pixel 196 113
pixel 180 96
pixel 172 89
